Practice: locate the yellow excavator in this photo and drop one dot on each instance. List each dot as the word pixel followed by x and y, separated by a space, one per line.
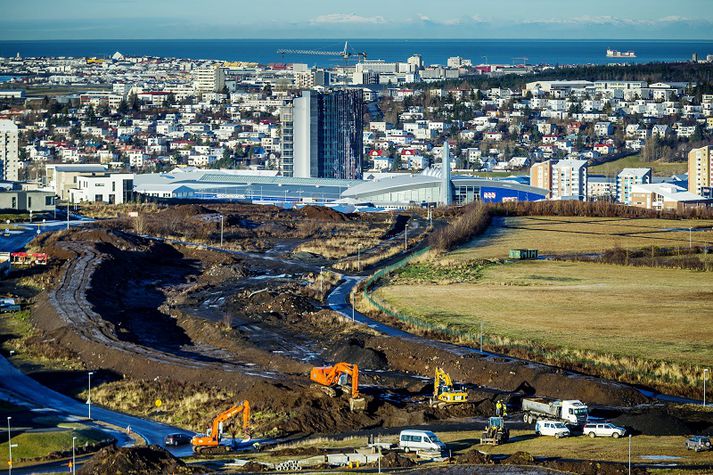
pixel 210 443
pixel 444 392
pixel 330 378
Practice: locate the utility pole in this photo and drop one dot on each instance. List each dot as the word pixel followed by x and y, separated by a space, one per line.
pixel 705 378
pixel 89 398
pixel 359 258
pixel 406 236
pixel 629 454
pixel 68 215
pixel 353 311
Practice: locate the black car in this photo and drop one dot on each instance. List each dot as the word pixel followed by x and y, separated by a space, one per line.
pixel 177 439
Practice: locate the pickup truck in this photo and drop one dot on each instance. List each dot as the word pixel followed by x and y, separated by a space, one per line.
pixel 571 412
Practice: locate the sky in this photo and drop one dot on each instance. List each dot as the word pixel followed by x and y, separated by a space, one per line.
pixel 551 19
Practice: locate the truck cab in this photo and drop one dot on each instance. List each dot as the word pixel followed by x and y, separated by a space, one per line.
pixel 574 412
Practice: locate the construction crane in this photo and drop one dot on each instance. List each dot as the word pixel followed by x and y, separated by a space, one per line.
pixel 331 377
pixel 346 53
pixel 444 392
pixel 210 443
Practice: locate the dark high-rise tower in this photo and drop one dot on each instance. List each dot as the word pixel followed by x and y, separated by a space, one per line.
pixel 327 140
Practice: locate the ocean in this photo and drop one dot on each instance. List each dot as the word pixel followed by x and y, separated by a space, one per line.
pixel 433 51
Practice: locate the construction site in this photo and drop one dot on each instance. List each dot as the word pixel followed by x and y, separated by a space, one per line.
pixel 234 325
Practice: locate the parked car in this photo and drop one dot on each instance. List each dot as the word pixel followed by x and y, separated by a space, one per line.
pixel 420 441
pixel 177 439
pixel 698 443
pixel 552 428
pixel 603 429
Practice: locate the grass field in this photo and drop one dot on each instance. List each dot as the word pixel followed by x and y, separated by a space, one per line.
pixel 564 235
pixel 611 169
pixel 578 314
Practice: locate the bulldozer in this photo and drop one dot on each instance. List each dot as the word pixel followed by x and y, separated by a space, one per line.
pixel 495 433
pixel 210 443
pixel 444 392
pixel 330 379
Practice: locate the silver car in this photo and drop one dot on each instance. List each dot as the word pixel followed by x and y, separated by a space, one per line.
pixel 603 429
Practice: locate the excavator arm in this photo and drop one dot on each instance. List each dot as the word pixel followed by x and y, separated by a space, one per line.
pixel 213 438
pixel 330 375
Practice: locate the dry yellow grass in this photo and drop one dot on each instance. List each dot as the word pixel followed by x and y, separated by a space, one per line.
pixel 563 235
pixel 656 323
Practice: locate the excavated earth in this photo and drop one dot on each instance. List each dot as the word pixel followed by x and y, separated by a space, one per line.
pixel 148 310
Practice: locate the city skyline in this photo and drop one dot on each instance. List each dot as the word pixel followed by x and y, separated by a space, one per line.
pixel 517 19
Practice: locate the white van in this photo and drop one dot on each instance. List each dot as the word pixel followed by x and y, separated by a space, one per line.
pixel 552 428
pixel 420 441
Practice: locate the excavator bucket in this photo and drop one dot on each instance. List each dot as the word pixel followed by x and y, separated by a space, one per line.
pixel 357 404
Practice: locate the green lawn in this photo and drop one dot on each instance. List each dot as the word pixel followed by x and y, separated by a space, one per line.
pixel 564 235
pixel 32 445
pixel 611 169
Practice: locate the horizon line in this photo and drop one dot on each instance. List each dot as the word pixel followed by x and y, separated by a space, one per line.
pixel 709 40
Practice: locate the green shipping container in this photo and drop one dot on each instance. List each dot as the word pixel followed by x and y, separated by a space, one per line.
pixel 523 254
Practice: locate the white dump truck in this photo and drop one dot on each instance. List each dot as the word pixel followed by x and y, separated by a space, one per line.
pixel 571 412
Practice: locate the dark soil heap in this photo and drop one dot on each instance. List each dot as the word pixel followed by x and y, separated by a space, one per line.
pixel 134 460
pixel 396 460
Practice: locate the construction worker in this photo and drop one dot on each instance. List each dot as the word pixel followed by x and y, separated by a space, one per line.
pixel 504 409
pixel 498 408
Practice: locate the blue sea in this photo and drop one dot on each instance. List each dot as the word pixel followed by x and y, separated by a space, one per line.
pixel 433 51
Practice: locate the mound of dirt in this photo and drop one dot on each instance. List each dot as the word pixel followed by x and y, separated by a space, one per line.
pixel 321 213
pixel 474 457
pixel 134 460
pixel 520 458
pixel 354 351
pixel 253 467
pixel 396 460
pixel 587 467
pixel 653 422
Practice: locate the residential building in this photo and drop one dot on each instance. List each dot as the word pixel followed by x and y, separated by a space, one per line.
pixel 112 188
pixel 27 200
pixel 700 170
pixel 209 79
pixel 666 196
pixel 569 180
pixel 9 151
pixel 60 178
pixel 601 188
pixel 541 175
pixel 629 177
pixel 326 134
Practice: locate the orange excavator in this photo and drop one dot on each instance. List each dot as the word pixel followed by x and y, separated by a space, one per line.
pixel 210 443
pixel 332 377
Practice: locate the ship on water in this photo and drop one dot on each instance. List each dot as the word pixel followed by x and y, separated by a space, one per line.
pixel 612 53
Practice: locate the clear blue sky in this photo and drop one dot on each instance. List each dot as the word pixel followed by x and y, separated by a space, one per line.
pixel 590 19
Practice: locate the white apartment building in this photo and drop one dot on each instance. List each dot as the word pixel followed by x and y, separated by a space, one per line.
pixel 210 79
pixel 629 177
pixel 569 180
pixel 9 151
pixel 112 188
pixel 700 171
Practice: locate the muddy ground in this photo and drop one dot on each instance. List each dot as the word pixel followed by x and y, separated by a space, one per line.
pixel 179 319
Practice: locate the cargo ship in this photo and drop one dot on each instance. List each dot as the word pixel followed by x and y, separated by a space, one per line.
pixel 612 53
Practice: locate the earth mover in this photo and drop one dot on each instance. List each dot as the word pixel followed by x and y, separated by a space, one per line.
pixel 330 379
pixel 495 433
pixel 210 443
pixel 445 392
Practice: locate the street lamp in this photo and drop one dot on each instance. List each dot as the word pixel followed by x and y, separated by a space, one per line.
pixel 353 311
pixel 9 447
pixel 221 229
pixel 358 257
pixel 89 398
pixel 690 238
pixel 74 459
pixel 705 378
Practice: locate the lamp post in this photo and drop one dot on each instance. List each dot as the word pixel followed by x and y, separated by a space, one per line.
pixel 353 311
pixel 629 454
pixel 68 215
pixel 89 397
pixel 406 236
pixel 705 378
pixel 9 447
pixel 74 459
pixel 221 229
pixel 690 238
pixel 359 258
